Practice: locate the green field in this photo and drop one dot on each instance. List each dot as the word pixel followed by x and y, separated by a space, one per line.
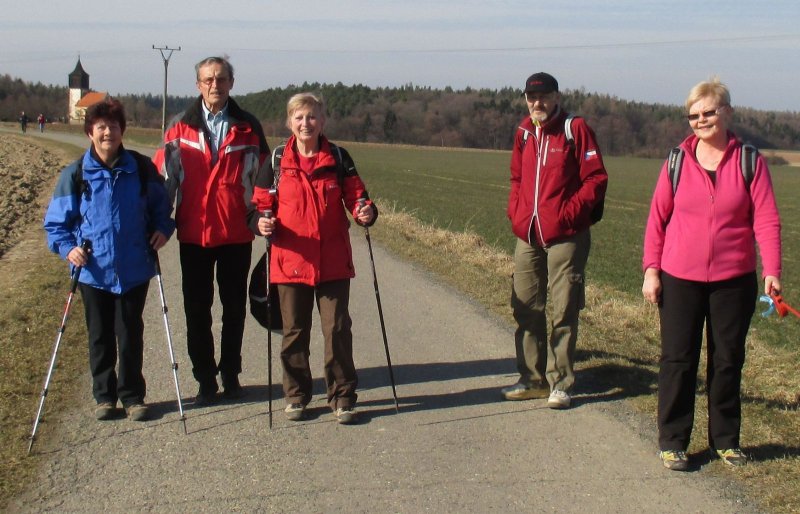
pixel 463 190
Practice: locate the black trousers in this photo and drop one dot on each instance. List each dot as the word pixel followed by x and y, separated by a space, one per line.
pixel 198 266
pixel 725 308
pixel 115 322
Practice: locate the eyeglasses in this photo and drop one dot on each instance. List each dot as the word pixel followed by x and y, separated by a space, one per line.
pixel 210 80
pixel 541 97
pixel 704 114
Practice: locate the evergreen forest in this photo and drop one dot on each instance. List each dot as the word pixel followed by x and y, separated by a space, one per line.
pixel 417 115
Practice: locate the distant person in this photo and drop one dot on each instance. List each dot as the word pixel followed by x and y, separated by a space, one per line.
pixel 311 256
pixel 210 157
pixel 700 268
pixel 115 199
pixel 41 120
pixel 23 121
pixel 555 185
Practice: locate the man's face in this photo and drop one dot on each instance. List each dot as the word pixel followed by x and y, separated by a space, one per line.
pixel 542 105
pixel 215 85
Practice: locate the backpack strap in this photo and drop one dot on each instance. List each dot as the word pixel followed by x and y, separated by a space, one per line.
pixel 277 154
pixel 675 161
pixel 143 163
pixel 748 164
pixel 568 130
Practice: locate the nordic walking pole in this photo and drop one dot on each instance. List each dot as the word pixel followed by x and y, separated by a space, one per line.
pixel 268 214
pixel 76 273
pixel 361 203
pixel 164 311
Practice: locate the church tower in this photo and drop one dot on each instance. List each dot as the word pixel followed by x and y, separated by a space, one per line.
pixel 78 87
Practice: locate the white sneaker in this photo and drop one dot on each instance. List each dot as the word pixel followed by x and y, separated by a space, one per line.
pixel 295 411
pixel 558 399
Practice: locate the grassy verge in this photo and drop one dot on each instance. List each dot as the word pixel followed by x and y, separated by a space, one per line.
pixel 618 354
pixel 35 286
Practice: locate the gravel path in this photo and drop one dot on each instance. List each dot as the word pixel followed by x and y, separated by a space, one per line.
pixel 455 446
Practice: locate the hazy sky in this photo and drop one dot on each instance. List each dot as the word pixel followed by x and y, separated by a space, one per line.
pixel 644 50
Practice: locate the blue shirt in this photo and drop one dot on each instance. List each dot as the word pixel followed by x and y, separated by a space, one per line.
pixel 217 125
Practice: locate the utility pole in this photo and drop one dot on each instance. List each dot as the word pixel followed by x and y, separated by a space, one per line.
pixel 166 53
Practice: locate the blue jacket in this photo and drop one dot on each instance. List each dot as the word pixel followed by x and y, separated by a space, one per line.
pixel 108 207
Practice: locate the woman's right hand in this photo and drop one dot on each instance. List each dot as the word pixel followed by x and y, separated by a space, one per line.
pixel 651 288
pixel 266 226
pixel 78 256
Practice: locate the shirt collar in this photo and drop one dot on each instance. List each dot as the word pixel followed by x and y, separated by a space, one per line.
pixel 208 115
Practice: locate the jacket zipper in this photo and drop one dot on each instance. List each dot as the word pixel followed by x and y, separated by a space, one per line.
pixel 542 145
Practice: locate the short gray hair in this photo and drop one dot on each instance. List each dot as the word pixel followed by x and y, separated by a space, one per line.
pixel 214 60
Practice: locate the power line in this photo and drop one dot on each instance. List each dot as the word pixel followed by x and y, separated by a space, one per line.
pixel 590 46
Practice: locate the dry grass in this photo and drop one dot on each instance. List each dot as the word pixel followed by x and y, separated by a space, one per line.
pixel 35 286
pixel 618 354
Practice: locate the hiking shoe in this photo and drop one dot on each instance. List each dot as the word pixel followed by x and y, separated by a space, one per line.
pixel 295 411
pixel 104 411
pixel 231 389
pixel 525 391
pixel 207 394
pixel 137 412
pixel 559 399
pixel 675 460
pixel 733 457
pixel 345 415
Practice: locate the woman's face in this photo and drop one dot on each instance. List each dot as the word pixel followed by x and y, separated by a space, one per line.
pixel 106 136
pixel 709 119
pixel 306 124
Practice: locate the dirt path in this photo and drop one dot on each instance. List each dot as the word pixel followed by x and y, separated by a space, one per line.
pixel 454 446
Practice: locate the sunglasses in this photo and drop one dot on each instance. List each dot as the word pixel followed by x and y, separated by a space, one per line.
pixel 704 114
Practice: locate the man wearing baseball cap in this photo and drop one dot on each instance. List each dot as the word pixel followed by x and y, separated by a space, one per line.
pixel 558 184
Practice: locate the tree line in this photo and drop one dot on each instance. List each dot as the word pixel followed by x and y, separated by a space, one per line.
pixel 418 115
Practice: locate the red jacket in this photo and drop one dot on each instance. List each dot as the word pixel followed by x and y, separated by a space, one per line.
pixel 554 186
pixel 212 203
pixel 311 243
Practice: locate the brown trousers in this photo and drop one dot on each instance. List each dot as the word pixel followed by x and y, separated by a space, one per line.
pixel 297 303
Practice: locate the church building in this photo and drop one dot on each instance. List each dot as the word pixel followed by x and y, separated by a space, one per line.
pixel 80 96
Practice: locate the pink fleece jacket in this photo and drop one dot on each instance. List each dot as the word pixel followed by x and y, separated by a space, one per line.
pixel 707 231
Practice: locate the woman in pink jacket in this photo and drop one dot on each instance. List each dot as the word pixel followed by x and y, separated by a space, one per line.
pixel 317 185
pixel 700 268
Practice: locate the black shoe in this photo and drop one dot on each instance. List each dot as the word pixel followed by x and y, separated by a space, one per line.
pixel 207 394
pixel 231 389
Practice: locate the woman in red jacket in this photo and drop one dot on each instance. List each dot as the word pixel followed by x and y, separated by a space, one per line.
pixel 316 184
pixel 700 268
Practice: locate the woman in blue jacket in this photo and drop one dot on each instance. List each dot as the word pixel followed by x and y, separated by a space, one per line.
pixel 109 214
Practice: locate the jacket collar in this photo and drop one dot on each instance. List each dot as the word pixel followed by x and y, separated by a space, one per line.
pixel 194 114
pixel 325 158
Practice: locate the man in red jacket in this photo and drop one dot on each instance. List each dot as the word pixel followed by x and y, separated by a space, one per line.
pixel 210 157
pixel 556 182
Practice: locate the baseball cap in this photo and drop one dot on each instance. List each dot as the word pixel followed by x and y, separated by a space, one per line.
pixel 540 83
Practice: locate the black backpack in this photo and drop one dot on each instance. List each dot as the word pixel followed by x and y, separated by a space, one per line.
pixel 258 298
